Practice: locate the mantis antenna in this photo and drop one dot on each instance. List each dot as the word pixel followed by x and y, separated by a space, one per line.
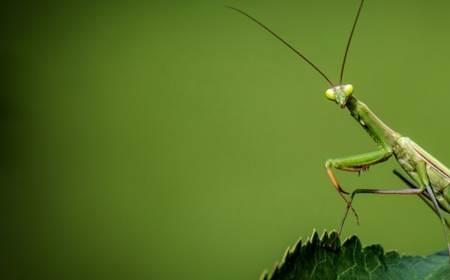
pixel 284 42
pixel 350 41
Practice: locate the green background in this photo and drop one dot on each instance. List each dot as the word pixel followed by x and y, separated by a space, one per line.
pixel 178 140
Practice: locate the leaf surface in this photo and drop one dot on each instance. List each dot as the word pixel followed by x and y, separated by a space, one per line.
pixel 326 258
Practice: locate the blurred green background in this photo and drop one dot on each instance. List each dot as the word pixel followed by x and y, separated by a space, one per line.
pixel 177 140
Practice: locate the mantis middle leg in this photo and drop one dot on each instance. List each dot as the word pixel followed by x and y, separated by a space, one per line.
pixel 424 196
pixel 423 185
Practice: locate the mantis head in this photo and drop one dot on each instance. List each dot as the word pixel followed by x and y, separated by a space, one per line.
pixel 339 94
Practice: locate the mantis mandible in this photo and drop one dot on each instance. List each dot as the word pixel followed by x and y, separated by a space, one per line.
pixel 427 177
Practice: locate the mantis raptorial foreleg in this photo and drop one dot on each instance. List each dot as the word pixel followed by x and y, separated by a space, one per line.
pixel 354 164
pixel 423 185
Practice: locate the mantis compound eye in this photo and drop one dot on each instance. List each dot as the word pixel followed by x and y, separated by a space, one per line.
pixel 331 94
pixel 348 89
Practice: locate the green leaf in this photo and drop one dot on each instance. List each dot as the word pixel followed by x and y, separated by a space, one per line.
pixel 325 258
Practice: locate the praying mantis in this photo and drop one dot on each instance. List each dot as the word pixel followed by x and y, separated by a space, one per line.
pixel 426 176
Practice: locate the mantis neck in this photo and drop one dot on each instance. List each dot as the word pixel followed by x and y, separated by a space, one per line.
pixel 383 135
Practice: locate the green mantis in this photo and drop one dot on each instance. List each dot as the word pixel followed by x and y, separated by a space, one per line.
pixel 426 176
